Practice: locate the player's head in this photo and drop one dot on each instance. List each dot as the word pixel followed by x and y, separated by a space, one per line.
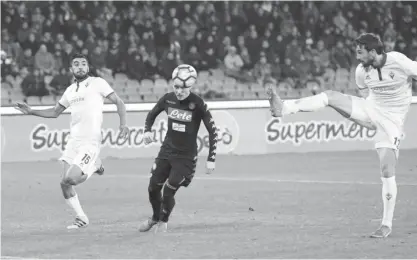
pixel 79 66
pixel 368 47
pixel 181 91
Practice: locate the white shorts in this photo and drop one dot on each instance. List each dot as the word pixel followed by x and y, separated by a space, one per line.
pixel 83 154
pixel 388 133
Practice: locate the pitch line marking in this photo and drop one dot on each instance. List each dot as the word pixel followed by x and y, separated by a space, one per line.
pixel 271 180
pixel 16 257
pixel 249 179
pixel 244 179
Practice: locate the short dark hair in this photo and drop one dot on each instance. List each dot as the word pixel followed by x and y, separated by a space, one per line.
pixel 79 56
pixel 370 41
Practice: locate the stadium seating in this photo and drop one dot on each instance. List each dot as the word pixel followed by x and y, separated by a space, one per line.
pixel 33 101
pixel 242 85
pixel 48 100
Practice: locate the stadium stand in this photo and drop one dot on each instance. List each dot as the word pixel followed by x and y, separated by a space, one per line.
pixel 306 46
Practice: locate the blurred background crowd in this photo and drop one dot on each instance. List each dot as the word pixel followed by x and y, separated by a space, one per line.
pixel 306 46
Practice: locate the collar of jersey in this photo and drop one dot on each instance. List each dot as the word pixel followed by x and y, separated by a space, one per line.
pixel 79 81
pixel 184 100
pixel 383 61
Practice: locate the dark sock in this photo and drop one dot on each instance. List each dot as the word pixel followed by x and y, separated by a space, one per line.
pixel 155 200
pixel 168 203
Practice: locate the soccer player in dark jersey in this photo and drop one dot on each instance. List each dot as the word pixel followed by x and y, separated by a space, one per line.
pixel 176 162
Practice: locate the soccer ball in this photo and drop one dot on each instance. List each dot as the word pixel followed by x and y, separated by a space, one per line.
pixel 184 75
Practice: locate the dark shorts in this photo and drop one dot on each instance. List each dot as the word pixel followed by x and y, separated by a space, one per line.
pixel 178 171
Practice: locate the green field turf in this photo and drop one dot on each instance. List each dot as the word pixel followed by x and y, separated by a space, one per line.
pixel 315 205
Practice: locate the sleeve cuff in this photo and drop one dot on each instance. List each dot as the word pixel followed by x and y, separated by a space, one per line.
pixel 109 94
pixel 62 105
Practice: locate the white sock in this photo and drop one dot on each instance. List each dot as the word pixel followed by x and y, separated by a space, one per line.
pixel 307 104
pixel 74 203
pixel 389 196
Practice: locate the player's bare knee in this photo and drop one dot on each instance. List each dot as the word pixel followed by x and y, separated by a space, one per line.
pixel 68 181
pixel 387 166
pixel 388 161
pixel 72 180
pixel 387 170
pixel 64 184
pixel 74 176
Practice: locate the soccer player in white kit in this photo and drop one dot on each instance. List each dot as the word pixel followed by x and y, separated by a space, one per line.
pixel 388 78
pixel 85 97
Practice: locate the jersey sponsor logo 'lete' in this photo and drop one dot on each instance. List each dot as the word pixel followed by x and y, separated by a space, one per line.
pixel 180 115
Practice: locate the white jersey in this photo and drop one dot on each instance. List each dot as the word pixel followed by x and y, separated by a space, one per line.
pixel 86 100
pixel 389 86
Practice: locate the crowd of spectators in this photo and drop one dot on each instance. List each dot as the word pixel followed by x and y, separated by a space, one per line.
pixel 292 41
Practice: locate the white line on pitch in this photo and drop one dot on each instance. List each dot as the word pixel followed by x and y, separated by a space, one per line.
pixel 244 179
pixel 16 257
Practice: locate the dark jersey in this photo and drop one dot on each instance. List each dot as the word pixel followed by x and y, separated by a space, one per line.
pixel 184 118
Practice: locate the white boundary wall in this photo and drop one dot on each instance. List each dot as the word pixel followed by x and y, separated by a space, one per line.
pixel 244 127
pixel 140 107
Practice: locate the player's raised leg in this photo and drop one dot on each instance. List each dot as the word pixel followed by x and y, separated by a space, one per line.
pixel 342 103
pixel 160 172
pixel 388 161
pixel 281 108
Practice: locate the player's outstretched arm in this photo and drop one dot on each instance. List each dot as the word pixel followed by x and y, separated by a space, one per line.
pixel 52 112
pixel 211 129
pixel 150 118
pixel 121 110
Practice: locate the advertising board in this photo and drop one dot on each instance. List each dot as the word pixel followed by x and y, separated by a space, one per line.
pixel 241 131
pixel 28 138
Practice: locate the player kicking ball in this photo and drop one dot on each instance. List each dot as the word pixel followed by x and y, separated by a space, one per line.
pixel 85 97
pixel 176 162
pixel 388 78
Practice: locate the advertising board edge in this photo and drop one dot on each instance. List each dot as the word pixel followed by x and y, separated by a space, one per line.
pixel 144 107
